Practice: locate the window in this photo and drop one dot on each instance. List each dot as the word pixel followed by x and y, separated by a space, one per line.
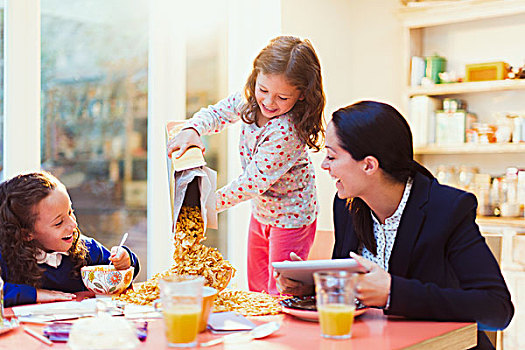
pixel 94 113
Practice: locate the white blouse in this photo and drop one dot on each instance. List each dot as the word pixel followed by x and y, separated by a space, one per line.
pixel 385 234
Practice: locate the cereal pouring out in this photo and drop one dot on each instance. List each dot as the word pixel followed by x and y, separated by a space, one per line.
pixel 191 257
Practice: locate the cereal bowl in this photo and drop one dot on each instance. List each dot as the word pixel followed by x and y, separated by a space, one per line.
pixel 208 297
pixel 105 279
pixel 224 279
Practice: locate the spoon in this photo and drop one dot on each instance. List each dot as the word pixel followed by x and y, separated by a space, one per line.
pixel 258 332
pixel 122 241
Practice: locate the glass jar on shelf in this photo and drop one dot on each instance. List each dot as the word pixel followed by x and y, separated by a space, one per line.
pixel 518 127
pixel 503 132
pixel 481 189
pixel 453 104
pixel 466 177
pixel 447 175
pixel 496 195
pixel 510 206
pixel 485 132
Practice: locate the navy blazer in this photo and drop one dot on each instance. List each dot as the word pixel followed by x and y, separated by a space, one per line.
pixel 441 267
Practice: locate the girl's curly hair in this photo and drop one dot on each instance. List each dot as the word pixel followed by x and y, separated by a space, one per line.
pixel 19 197
pixel 297 60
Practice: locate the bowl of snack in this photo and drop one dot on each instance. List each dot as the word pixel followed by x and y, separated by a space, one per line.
pixel 106 279
pixel 208 297
pixel 222 278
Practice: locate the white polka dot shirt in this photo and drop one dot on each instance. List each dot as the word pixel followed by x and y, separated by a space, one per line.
pixel 278 175
pixel 385 234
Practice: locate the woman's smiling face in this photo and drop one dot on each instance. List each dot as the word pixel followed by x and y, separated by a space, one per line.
pixel 56 225
pixel 345 170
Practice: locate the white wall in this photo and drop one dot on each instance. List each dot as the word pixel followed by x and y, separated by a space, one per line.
pixel 359 43
pixel 166 101
pixel 22 88
pixel 264 21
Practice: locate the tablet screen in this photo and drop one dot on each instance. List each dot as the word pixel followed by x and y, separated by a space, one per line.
pixel 303 270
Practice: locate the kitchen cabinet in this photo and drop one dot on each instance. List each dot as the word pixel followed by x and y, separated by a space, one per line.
pixel 464 32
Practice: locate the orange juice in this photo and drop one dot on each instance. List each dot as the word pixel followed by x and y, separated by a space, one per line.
pixel 182 323
pixel 336 319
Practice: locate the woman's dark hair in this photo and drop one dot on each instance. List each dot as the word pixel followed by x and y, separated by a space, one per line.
pixel 370 128
pixel 19 197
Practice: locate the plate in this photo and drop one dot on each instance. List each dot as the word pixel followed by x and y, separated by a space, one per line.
pixel 304 308
pixel 8 325
pixel 306 303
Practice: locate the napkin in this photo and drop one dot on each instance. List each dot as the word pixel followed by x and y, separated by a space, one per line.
pixel 55 311
pixel 222 322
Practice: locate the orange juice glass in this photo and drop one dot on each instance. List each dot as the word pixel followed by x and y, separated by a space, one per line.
pixel 182 323
pixel 181 300
pixel 335 298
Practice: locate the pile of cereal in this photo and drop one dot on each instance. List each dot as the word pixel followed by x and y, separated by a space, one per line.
pixel 247 303
pixel 191 258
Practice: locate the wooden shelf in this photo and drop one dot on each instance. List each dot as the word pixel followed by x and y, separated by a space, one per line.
pixel 499 221
pixel 468 87
pixel 470 148
pixel 458 11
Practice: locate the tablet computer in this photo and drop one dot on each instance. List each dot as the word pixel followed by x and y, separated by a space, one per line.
pixel 303 270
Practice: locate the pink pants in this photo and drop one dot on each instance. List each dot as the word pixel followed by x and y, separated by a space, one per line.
pixel 267 244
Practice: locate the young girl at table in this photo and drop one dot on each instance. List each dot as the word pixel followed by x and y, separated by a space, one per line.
pixel 418 239
pixel 282 117
pixel 41 247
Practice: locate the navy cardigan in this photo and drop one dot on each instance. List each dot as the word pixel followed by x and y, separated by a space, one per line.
pixel 441 267
pixel 59 278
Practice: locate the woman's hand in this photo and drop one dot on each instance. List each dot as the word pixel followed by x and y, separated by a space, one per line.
pixel 120 258
pixel 183 140
pixel 288 286
pixel 46 296
pixel 373 287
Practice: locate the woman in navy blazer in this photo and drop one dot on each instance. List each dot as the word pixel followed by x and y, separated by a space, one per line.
pixel 437 264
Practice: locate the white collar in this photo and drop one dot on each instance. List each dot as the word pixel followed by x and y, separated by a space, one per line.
pixel 52 259
pixel 400 208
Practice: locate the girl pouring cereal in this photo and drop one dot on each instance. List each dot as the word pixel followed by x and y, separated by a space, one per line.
pixel 282 117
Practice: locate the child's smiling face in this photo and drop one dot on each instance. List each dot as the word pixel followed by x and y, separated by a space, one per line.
pixel 274 95
pixel 55 226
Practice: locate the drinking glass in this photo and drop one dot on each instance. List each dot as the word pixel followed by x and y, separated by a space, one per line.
pixel 181 306
pixel 335 298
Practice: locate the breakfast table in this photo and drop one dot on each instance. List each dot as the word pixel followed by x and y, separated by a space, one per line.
pixel 371 330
